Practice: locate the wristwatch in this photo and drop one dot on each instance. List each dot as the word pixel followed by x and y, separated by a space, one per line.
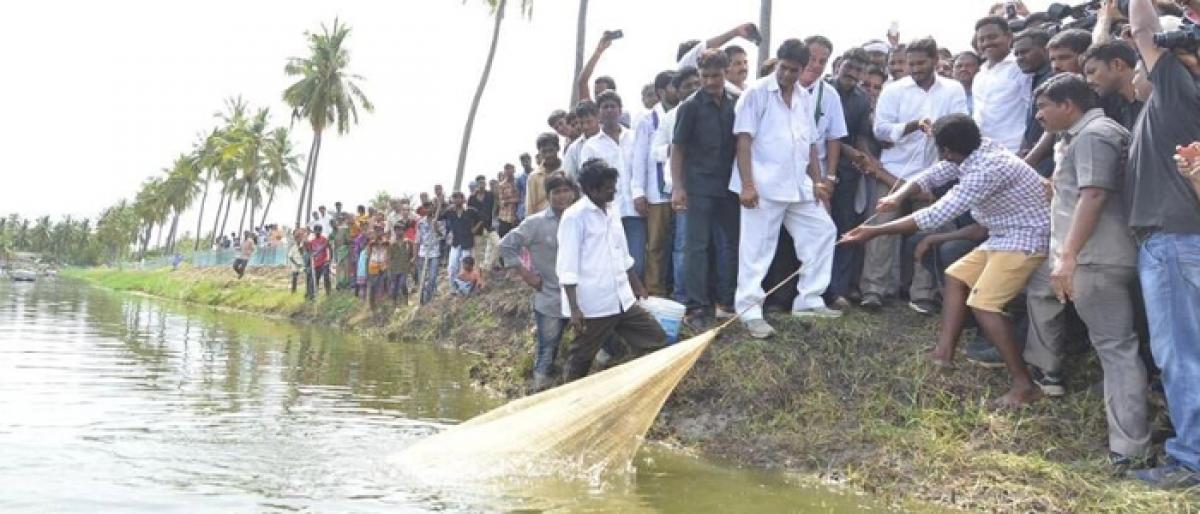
pixel 832 178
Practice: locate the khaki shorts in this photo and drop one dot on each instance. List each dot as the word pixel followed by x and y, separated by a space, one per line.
pixel 995 278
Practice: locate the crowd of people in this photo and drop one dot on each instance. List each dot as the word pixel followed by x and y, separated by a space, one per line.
pixel 1042 187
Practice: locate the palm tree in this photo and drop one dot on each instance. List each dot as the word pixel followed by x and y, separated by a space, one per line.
pixel 281 163
pixel 325 94
pixel 179 190
pixel 580 34
pixel 497 7
pixel 764 29
pixel 206 158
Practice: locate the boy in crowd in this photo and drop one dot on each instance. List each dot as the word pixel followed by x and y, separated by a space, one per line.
pixel 400 262
pixel 1006 197
pixel 468 280
pixel 614 145
pixel 600 288
pixel 430 233
pixel 538 235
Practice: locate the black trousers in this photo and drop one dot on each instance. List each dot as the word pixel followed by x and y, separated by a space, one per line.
pixel 636 326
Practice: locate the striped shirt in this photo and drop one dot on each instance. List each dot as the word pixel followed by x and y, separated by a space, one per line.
pixel 1003 193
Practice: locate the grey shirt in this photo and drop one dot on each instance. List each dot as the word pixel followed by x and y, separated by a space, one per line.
pixel 1092 154
pixel 1157 196
pixel 539 234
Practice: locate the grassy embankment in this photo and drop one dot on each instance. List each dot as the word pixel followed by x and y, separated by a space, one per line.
pixel 846 401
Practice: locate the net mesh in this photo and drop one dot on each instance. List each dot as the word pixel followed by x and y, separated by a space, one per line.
pixel 590 428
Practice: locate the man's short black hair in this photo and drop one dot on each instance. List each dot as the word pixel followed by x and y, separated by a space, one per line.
pixel 925 46
pixel 714 60
pixel 970 55
pixel 819 40
pixel 468 260
pixel 607 81
pixel 457 194
pixel 559 179
pixel 878 72
pixel 685 47
pixel 1075 40
pixel 316 228
pixel 1112 51
pixel 1039 37
pixel 945 54
pixel 663 79
pixel 608 96
pixel 595 173
pixel 546 139
pixel 993 20
pixel 793 50
pixel 957 133
pixel 733 50
pixel 555 116
pixel 1068 87
pixel 585 108
pixel 684 73
pixel 858 55
pixel 480 177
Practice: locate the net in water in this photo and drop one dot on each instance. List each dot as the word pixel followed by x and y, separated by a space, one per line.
pixel 589 428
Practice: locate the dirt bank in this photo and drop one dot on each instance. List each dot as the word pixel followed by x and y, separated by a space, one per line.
pixel 847 401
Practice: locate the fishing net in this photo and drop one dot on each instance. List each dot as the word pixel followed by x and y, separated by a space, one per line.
pixel 589 428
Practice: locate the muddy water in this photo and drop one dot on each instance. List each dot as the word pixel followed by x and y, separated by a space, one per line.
pixel 118 403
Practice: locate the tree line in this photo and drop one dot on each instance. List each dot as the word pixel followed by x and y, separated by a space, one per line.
pixel 245 156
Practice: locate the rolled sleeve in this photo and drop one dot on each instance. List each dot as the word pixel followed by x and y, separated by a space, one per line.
pixel 747 112
pixel 970 190
pixel 685 117
pixel 888 127
pixel 1096 162
pixel 936 176
pixel 570 239
pixel 512 243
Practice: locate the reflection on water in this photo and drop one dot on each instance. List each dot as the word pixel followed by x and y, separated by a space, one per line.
pixel 113 402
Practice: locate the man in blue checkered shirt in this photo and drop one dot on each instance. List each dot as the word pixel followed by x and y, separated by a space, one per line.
pixel 1005 196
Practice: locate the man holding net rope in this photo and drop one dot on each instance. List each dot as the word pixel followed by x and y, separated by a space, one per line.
pixel 1006 197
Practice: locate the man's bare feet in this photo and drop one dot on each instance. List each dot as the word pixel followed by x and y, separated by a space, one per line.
pixel 1017 398
pixel 940 357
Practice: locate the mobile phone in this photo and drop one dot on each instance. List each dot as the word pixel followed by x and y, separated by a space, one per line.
pixel 613 34
pixel 1010 9
pixel 754 36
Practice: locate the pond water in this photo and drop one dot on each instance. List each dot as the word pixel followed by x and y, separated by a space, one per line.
pixel 118 403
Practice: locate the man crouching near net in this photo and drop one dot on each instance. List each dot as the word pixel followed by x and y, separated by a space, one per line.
pixel 595 270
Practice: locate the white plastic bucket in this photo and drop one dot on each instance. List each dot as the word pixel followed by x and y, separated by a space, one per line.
pixel 668 313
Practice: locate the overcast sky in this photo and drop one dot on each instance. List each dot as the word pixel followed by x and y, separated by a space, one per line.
pixel 103 95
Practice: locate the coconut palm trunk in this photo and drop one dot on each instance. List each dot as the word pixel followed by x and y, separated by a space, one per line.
pixel 312 172
pixel 764 29
pixel 242 221
pixel 228 204
pixel 171 239
pixel 483 80
pixel 267 209
pixel 217 219
pixel 580 36
pixel 200 217
pixel 300 212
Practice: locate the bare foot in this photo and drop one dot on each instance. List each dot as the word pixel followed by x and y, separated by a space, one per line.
pixel 1017 397
pixel 941 358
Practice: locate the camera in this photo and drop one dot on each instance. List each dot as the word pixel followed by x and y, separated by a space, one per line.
pixel 1188 36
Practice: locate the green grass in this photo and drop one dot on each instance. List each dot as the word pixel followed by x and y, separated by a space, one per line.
pixel 849 401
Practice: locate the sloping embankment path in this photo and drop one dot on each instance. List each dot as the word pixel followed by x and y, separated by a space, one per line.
pixel 846 401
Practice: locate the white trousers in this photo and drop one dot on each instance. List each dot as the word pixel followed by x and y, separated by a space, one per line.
pixel 814 233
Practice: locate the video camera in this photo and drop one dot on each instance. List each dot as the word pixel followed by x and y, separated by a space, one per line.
pixel 1188 36
pixel 1055 18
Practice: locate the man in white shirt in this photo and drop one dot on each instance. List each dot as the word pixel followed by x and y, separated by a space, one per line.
pixel 903 116
pixel 595 271
pixel 739 68
pixel 648 184
pixel 614 144
pixel 1000 91
pixel 585 116
pixel 780 184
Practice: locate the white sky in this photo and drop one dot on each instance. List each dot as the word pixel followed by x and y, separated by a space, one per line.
pixel 102 95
